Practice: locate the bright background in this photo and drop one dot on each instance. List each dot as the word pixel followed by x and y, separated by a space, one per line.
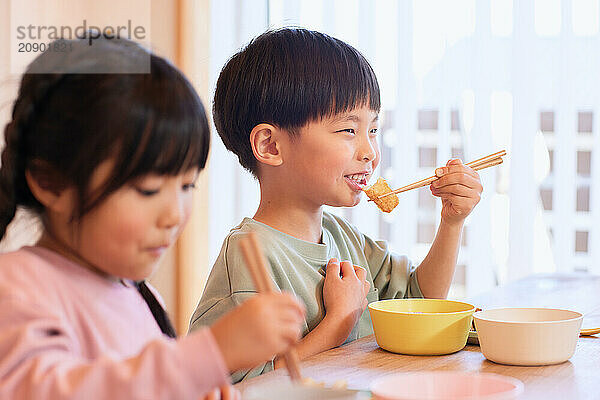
pixel 462 79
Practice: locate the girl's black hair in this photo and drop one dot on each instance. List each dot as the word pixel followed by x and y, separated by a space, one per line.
pixel 64 124
pixel 288 78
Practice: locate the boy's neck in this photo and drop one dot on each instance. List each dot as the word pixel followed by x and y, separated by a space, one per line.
pixel 290 217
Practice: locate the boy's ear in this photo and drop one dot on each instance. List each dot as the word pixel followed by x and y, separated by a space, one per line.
pixel 58 198
pixel 264 139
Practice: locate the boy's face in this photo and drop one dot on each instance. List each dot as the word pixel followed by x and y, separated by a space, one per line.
pixel 331 160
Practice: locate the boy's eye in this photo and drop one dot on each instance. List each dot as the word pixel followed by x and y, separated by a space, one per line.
pixel 374 131
pixel 189 186
pixel 349 130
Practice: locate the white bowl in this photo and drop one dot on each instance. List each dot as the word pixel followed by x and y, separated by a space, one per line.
pixel 527 336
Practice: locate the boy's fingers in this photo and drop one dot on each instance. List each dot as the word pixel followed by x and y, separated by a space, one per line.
pixel 455 166
pixel 460 178
pixel 456 190
pixel 441 171
pixel 454 161
pixel 361 273
pixel 333 268
pixel 347 269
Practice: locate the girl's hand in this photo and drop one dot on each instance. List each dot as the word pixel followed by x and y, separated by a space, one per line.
pixel 261 327
pixel 345 294
pixel 459 188
pixel 227 392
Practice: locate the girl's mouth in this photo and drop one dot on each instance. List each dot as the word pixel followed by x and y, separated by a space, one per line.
pixel 357 181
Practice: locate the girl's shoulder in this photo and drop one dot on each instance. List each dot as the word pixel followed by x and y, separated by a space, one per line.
pixel 22 273
pixel 21 262
pixel 34 272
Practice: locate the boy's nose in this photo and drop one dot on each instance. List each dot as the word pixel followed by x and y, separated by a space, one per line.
pixel 367 150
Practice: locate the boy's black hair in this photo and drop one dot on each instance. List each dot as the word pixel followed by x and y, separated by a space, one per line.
pixel 288 78
pixel 65 124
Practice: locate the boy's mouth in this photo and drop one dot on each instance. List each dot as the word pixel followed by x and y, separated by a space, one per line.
pixel 357 181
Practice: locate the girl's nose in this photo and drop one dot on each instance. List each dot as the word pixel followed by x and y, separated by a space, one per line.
pixel 172 213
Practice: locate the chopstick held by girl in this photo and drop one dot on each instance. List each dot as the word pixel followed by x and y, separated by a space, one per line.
pixel 300 110
pixel 109 161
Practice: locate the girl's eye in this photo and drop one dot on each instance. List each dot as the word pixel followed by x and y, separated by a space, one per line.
pixel 349 130
pixel 373 132
pixel 146 193
pixel 189 186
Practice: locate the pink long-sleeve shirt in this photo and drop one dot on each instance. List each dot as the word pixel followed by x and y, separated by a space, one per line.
pixel 68 333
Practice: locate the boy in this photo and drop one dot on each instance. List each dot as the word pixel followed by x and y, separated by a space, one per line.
pixel 300 110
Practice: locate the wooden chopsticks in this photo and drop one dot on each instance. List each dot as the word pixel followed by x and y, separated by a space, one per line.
pixel 257 265
pixel 481 163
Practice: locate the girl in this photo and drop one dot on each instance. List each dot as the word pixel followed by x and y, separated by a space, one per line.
pixel 108 161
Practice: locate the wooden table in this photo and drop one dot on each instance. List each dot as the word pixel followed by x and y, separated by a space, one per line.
pixel 361 361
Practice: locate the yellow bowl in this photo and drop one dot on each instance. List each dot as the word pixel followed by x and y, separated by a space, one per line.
pixel 421 326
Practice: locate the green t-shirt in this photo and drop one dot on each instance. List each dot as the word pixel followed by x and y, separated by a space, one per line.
pixel 298 266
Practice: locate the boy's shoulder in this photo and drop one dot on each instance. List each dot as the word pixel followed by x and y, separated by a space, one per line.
pixel 250 225
pixel 267 236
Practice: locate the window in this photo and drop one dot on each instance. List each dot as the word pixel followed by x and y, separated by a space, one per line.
pixel 584 121
pixel 501 17
pixel 454 120
pixel 457 152
pixel 585 17
pixel 581 241
pixel 428 120
pixel 583 198
pixel 476 111
pixel 547 121
pixel 546 196
pixel 427 157
pixel 547 17
pixel 584 161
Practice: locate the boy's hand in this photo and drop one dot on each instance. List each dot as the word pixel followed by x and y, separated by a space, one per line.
pixel 223 393
pixel 345 294
pixel 459 188
pixel 261 327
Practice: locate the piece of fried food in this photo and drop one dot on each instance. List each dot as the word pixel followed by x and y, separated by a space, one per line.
pixel 386 204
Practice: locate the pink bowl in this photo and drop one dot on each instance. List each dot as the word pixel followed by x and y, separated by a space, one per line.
pixel 446 385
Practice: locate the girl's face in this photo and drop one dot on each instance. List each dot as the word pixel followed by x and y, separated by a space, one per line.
pixel 331 160
pixel 128 233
